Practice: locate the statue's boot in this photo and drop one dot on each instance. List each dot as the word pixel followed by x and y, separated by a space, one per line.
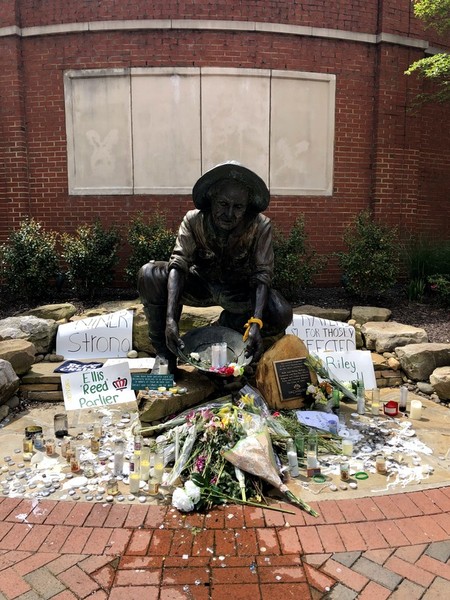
pixel 156 319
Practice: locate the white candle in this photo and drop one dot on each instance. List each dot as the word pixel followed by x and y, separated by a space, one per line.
pixel 347 447
pixel 416 409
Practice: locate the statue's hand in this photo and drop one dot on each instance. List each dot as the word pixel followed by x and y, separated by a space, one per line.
pixel 173 340
pixel 254 343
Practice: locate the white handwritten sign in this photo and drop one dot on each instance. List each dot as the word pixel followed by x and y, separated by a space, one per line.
pixel 99 388
pixel 103 336
pixel 350 366
pixel 323 334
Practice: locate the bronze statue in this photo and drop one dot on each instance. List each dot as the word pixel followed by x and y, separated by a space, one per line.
pixel 223 256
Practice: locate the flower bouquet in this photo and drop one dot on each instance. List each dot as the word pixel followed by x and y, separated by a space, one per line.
pixel 225 455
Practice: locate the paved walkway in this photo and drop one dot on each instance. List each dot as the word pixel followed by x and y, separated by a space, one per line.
pixel 394 547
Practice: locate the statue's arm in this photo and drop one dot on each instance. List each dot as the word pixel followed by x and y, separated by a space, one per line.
pixel 175 286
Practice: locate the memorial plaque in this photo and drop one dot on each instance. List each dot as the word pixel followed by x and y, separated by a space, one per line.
pixel 142 381
pixel 293 377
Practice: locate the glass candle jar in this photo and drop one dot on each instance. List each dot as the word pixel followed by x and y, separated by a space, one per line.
pixel 60 425
pixel 49 446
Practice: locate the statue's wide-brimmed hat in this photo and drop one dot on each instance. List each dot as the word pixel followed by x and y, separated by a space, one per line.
pixel 259 194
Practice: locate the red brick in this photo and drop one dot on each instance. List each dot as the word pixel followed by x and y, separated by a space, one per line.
pixel 329 509
pixel 139 542
pixel 118 541
pixel 410 553
pixel 246 543
pixel 140 562
pixel 369 508
pixel 40 512
pixel 7 506
pixel 286 574
pixel 215 519
pixel 309 540
pixel 97 515
pixel 234 516
pixel 341 573
pixel 406 505
pixel 14 537
pixel 56 538
pixel 149 592
pixel 160 543
pixel 388 506
pixel 351 537
pixel 233 575
pixel 424 502
pixel 244 591
pixel 371 535
pixel 97 541
pixel 76 540
pixel 156 516
pixel 117 515
pixel 59 513
pixel 253 516
pixel 412 530
pixel 35 537
pixel 187 576
pixel 374 591
pixel 78 581
pixel 350 511
pixel 392 532
pixel 203 543
pixel 330 538
pixel 12 584
pixel 78 514
pixel 136 515
pixel 441 501
pixel 224 542
pixel 268 541
pixel 409 571
pixel 269 591
pixel 318 580
pixel 64 562
pixel 434 566
pixel 289 540
pixel 431 528
pixel 32 563
pixel 379 556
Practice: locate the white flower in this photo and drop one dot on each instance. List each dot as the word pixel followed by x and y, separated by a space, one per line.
pixel 195 356
pixel 182 501
pixel 192 490
pixel 311 389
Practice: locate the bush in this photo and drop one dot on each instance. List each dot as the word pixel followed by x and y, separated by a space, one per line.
pixel 90 256
pixel 440 285
pixel 29 260
pixel 295 264
pixel 370 266
pixel 149 239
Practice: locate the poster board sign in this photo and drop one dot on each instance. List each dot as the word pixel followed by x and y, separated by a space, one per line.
pixel 141 381
pixel 293 377
pixel 350 366
pixel 135 364
pixel 76 366
pixel 323 334
pixel 102 336
pixel 104 387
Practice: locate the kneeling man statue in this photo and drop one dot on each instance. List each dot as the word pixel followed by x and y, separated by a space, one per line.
pixel 223 256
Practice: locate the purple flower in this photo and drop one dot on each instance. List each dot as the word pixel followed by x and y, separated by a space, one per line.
pixel 200 463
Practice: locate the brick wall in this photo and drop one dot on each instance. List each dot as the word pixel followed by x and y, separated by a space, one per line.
pixel 386 157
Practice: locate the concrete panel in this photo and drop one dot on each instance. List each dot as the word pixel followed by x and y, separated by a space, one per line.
pixel 235 118
pixel 302 134
pixel 166 130
pixel 99 133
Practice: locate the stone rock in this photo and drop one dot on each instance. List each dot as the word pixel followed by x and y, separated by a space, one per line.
pixel 378 361
pixel 40 332
pixel 287 347
pixel 364 314
pixel 13 402
pixel 9 382
pixel 393 363
pixel 418 361
pixel 57 312
pixel 4 411
pixel 387 336
pixel 153 407
pixel 334 314
pixel 20 353
pixel 440 380
pixel 54 358
pixel 425 387
pixel 132 354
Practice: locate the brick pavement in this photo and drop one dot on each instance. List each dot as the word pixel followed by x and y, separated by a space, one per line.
pixel 395 547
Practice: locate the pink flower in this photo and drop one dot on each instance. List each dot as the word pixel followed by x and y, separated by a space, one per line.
pixel 200 463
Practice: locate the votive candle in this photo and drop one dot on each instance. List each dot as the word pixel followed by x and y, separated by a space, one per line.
pixel 416 409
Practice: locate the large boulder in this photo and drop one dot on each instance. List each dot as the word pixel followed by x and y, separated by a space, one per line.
pixel 57 312
pixel 40 332
pixel 440 380
pixel 20 353
pixel 419 361
pixel 386 336
pixel 364 314
pixel 9 382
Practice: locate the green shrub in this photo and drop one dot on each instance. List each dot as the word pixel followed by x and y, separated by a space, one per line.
pixel 29 260
pixel 416 289
pixel 440 285
pixel 149 239
pixel 425 256
pixel 370 266
pixel 295 264
pixel 90 255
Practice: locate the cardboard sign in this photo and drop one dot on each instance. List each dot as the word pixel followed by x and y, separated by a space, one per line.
pixel 323 334
pixel 94 389
pixel 103 336
pixel 350 366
